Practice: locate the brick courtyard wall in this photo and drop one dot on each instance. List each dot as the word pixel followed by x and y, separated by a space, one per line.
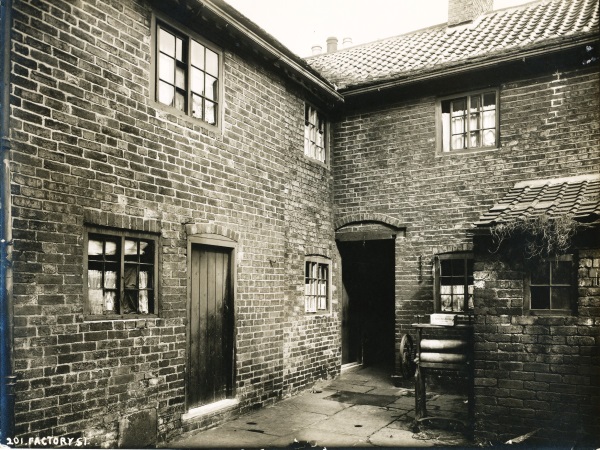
pixel 385 162
pixel 536 372
pixel 89 146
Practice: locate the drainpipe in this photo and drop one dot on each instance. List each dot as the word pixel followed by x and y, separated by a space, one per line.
pixel 7 379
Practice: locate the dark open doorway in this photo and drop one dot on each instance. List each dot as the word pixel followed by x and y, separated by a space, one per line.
pixel 368 312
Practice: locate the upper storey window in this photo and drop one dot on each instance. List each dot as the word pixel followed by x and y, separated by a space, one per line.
pixel 469 122
pixel 188 74
pixel 315 134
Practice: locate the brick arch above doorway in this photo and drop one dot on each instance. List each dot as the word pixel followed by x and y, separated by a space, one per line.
pixel 193 229
pixel 357 218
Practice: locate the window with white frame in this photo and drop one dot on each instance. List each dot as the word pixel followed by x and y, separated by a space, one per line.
pixel 315 134
pixel 551 286
pixel 453 283
pixel 469 122
pixel 121 273
pixel 316 285
pixel 188 74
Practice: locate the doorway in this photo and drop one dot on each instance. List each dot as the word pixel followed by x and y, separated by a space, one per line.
pixel 368 302
pixel 211 330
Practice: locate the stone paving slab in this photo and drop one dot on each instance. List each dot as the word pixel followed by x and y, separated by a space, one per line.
pixel 358 420
pixel 350 387
pixel 359 398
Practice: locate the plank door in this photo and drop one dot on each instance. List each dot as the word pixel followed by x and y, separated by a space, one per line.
pixel 210 377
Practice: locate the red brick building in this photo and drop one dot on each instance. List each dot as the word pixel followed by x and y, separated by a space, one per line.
pixel 181 194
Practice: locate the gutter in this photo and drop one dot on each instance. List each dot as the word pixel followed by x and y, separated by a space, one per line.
pixel 7 379
pixel 463 67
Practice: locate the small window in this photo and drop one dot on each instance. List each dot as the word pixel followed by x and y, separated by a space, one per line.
pixel 453 273
pixel 188 74
pixel 551 286
pixel 121 273
pixel 315 134
pixel 316 285
pixel 469 122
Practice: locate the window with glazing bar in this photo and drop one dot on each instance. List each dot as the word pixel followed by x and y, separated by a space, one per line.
pixel 316 285
pixel 121 273
pixel 315 128
pixel 469 122
pixel 188 74
pixel 453 274
pixel 551 286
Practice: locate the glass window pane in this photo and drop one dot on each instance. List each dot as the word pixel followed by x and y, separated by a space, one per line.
pixel 561 298
pixel 110 279
pixel 130 278
pixel 474 139
pixel 166 69
pixel 540 297
pixel 489 119
pixel 446 303
pixel 110 249
pixel 94 247
pixel 197 81
pixel 146 251
pixel 131 247
pixel 475 103
pixel 180 101
pixel 212 63
pixel 458 125
pixel 197 106
pixel 541 274
pixel 489 138
pixel 459 107
pixel 210 112
pixel 166 42
pixel 197 55
pixel 211 88
pixel 180 77
pixel 143 307
pixel 458 142
pixel 109 301
pixel 489 101
pixel 561 272
pixel 129 302
pixel 179 50
pixel 474 123
pixel 166 93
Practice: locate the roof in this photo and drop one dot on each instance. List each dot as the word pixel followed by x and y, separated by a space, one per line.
pixel 503 32
pixel 578 197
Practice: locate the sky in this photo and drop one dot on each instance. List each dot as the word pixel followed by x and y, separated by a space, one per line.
pixel 300 24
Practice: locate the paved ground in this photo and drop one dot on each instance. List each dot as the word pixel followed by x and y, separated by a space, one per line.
pixel 361 408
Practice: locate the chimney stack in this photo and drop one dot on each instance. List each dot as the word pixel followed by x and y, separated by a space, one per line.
pixel 464 11
pixel 316 50
pixel 347 42
pixel 332 43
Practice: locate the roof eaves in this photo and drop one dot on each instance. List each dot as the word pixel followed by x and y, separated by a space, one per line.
pixel 470 64
pixel 271 45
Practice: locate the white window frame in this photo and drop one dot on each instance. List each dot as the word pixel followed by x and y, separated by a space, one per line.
pixel 317 285
pixel 443 122
pixel 160 20
pixel 316 135
pixel 438 287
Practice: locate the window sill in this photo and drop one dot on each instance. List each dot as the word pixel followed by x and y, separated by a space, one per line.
pixel 210 409
pixel 316 162
pixel 466 152
pixel 118 317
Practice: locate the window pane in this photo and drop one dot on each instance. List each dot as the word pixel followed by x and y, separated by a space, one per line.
pixel 561 298
pixel 475 103
pixel 166 42
pixel 489 101
pixel 561 272
pixel 446 303
pixel 130 299
pixel 540 297
pixel 146 251
pixel 166 69
pixel 110 249
pixel 94 247
pixel 197 81
pixel 144 302
pixel 489 138
pixel 459 107
pixel 474 139
pixel 180 77
pixel 212 63
pixel 197 55
pixel 130 249
pixel 197 106
pixel 179 50
pixel 210 112
pixel 110 302
pixel 210 91
pixel 541 274
pixel 180 101
pixel 166 92
pixel 458 142
pixel 489 119
pixel 458 125
pixel 110 279
pixel 474 123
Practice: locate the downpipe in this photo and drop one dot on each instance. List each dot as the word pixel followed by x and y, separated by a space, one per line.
pixel 7 378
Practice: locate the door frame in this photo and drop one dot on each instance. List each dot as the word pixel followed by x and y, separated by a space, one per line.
pixel 213 240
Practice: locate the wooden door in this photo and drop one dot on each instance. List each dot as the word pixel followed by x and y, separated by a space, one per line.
pixel 210 377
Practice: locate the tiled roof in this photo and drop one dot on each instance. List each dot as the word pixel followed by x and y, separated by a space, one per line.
pixel 493 34
pixel 578 197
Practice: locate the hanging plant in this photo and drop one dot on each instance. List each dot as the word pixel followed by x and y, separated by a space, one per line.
pixel 538 237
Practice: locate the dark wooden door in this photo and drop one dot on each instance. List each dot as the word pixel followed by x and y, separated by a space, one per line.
pixel 210 376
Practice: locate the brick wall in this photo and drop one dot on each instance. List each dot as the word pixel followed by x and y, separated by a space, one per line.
pixel 460 11
pixel 385 162
pixel 89 146
pixel 536 372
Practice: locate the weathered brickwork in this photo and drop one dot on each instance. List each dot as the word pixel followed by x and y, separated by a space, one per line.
pixel 385 162
pixel 536 372
pixel 89 146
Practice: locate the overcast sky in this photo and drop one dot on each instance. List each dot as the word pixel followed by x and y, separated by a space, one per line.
pixel 300 24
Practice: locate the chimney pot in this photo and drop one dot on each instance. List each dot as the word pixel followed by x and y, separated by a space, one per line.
pixel 332 43
pixel 347 42
pixel 316 49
